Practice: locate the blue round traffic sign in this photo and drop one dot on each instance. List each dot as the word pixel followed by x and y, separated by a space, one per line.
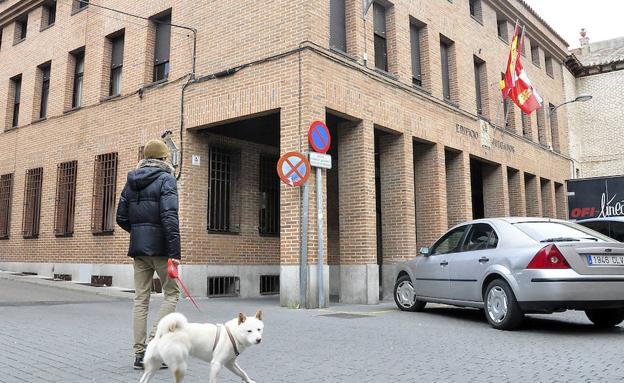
pixel 318 136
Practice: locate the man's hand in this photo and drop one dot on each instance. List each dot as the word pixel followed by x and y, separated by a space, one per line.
pixel 175 261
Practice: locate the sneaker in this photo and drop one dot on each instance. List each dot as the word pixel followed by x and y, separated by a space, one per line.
pixel 138 362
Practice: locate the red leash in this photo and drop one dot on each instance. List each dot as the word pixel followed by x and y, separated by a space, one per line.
pixel 172 271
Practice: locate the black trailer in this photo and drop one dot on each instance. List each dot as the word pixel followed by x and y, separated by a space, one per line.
pixel 598 197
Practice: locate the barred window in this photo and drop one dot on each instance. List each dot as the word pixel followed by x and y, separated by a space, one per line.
pixel 65 198
pixel 269 196
pixel 223 213
pixel 104 187
pixel 32 203
pixel 337 25
pixel 6 192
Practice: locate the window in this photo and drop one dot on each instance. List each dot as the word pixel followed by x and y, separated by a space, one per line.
pixel 78 79
pixel 79 5
pixel 32 203
pixel 65 198
pixel 481 237
pixel 450 243
pixel 48 15
pixel 162 48
pixel 475 9
pixel 6 192
pixel 541 126
pixel 269 196
pixel 104 187
pixel 549 66
pixel 446 55
pixel 337 25
pixel 501 28
pixel 526 125
pixel 524 43
pixel 16 85
pixel 535 54
pixel 381 43
pixel 45 90
pixel 509 114
pixel 21 28
pixel 1 29
pixel 223 181
pixel 117 44
pixel 545 231
pixel 616 230
pixel 554 128
pixel 416 32
pixel 480 84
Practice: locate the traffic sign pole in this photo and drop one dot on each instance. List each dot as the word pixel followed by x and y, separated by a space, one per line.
pixel 320 236
pixel 303 259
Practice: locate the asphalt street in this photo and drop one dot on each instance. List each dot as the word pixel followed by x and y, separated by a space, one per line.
pixel 60 332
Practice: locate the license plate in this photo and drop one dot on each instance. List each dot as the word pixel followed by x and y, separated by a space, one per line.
pixel 606 260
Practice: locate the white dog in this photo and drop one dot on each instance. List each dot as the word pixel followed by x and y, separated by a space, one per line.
pixel 176 340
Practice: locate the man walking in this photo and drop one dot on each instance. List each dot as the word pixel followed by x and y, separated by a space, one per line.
pixel 148 210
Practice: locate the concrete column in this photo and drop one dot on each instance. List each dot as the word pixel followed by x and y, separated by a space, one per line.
pixel 397 205
pixel 359 273
pixel 458 191
pixel 495 191
pixel 430 193
pixel 548 198
pixel 517 198
pixel 533 195
pixel 561 201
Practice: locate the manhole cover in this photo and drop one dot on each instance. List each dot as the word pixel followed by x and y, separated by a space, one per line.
pixel 347 315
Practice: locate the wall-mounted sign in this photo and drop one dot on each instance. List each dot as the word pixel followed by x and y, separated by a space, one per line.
pixel 195 160
pixel 319 160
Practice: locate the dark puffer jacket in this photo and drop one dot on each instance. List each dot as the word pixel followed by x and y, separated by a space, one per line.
pixel 148 210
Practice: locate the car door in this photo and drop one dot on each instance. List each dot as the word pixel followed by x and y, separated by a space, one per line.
pixel 432 276
pixel 467 267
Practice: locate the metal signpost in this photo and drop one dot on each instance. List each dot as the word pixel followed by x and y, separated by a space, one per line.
pixel 294 170
pixel 320 139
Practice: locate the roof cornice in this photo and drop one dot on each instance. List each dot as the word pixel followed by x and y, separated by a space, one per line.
pixel 17 9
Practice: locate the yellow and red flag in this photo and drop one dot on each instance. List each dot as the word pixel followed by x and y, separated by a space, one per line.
pixel 516 83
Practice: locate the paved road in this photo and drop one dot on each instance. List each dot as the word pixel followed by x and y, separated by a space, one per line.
pixel 49 334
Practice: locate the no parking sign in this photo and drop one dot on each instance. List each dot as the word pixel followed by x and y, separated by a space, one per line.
pixel 293 169
pixel 319 137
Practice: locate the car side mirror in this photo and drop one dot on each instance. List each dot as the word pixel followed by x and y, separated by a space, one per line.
pixel 424 251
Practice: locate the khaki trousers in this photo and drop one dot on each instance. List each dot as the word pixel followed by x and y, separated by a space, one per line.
pixel 144 268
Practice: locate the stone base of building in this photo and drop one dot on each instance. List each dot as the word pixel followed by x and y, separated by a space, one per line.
pixel 289 286
pixel 359 284
pixel 195 277
pixel 388 280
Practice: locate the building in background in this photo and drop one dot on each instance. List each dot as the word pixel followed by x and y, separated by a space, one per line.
pixel 406 91
pixel 596 127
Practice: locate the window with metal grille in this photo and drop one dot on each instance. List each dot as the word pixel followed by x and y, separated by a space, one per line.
pixel 78 78
pixel 381 43
pixel 416 34
pixel 48 16
pixel 21 28
pixel 162 46
pixel 6 193
pixel 65 198
pixel 223 286
pixel 45 90
pixel 223 190
pixel 117 46
pixel 269 284
pixel 16 84
pixel 269 196
pixel 104 187
pixel 337 25
pixel 32 203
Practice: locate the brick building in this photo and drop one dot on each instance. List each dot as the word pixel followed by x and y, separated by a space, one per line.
pixel 596 69
pixel 406 93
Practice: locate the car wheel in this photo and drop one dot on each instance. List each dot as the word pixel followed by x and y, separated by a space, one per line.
pixel 501 308
pixel 405 295
pixel 605 317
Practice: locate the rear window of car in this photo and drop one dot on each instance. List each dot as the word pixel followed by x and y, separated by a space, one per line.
pixel 542 231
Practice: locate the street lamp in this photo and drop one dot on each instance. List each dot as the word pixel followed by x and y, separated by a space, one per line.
pixel 581 98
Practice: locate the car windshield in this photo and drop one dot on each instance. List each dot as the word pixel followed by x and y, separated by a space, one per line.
pixel 548 231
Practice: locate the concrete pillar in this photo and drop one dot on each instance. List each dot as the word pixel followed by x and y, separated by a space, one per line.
pixel 495 191
pixel 561 201
pixel 517 198
pixel 430 193
pixel 533 195
pixel 359 273
pixel 397 205
pixel 458 191
pixel 548 198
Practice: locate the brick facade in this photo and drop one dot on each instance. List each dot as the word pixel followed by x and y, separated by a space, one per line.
pixel 286 76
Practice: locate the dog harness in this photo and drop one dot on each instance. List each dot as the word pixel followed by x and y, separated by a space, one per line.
pixel 217 338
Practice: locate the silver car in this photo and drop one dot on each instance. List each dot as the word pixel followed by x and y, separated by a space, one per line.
pixel 513 266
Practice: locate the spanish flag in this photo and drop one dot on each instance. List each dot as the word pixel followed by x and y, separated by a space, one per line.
pixel 516 83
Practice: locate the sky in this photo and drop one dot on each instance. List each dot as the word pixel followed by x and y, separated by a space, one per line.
pixel 603 19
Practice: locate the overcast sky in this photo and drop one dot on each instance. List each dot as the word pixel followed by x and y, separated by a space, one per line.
pixel 603 19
